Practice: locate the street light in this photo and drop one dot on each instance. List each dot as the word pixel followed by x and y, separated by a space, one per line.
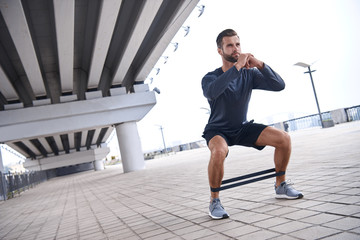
pixel 305 65
pixel 162 134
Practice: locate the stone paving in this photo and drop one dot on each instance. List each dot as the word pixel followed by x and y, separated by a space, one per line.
pixel 169 200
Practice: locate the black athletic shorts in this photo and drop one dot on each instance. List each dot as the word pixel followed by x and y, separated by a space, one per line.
pixel 246 135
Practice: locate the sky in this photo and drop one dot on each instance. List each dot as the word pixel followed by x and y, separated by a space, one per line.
pixel 324 33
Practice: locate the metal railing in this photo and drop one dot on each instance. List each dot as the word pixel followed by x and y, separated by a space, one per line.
pixel 353 113
pixel 307 121
pixel 13 184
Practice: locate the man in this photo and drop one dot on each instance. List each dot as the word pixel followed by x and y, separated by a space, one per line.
pixel 228 90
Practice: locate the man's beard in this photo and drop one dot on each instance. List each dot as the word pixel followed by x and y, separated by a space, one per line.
pixel 230 58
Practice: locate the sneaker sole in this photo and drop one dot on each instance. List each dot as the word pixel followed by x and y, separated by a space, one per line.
pixel 217 218
pixel 283 196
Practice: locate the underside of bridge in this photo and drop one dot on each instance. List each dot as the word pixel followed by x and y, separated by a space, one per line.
pixel 72 71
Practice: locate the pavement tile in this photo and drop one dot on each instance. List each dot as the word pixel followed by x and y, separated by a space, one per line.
pixel 343 236
pixel 346 210
pixel 121 234
pixel 284 237
pixel 346 223
pixel 326 207
pixel 259 235
pixel 321 218
pixel 224 226
pixel 146 228
pixel 240 231
pixel 346 199
pixel 250 217
pixel 306 204
pixel 271 222
pixel 216 236
pixel 153 233
pixel 166 235
pixel 189 229
pixel 314 232
pixel 290 227
pixel 300 214
pixel 282 211
pixel 199 234
pixel 181 225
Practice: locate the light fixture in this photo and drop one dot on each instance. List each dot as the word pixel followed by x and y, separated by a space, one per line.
pixel 151 79
pixel 201 9
pixel 157 70
pixel 187 30
pixel 166 58
pixel 156 90
pixel 176 45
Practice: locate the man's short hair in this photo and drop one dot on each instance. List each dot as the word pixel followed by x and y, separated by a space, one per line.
pixel 225 33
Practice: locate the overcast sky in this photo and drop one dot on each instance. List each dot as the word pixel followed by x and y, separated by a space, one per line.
pixel 325 33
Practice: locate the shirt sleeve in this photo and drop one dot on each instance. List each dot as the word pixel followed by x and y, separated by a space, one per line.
pixel 268 79
pixel 214 85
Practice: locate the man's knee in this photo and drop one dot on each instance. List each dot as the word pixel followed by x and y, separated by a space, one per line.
pixel 218 148
pixel 284 140
pixel 219 153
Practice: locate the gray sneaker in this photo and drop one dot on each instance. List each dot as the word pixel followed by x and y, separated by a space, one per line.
pixel 216 210
pixel 286 191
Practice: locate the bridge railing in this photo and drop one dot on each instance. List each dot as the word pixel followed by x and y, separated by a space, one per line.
pixel 306 122
pixel 353 113
pixel 347 115
pixel 13 184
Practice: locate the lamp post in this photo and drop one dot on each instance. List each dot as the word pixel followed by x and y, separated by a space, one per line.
pixel 162 135
pixel 305 65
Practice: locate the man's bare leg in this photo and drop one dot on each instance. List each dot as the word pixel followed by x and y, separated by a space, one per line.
pixel 282 143
pixel 218 149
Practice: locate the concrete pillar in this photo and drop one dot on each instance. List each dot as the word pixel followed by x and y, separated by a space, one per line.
pixel 98 165
pixel 130 147
pixel 1 161
pixel 2 176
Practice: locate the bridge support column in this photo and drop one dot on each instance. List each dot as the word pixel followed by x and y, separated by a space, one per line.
pixel 2 179
pixel 1 162
pixel 98 165
pixel 130 147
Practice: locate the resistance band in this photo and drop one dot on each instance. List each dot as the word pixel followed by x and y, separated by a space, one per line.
pixel 247 181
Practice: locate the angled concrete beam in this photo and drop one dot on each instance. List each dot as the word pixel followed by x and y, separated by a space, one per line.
pixel 96 135
pixel 108 15
pixel 83 138
pixel 186 8
pixel 31 147
pixel 108 133
pixel 142 26
pixel 45 144
pixel 64 22
pixel 6 87
pixel 15 20
pixel 58 143
pixel 71 141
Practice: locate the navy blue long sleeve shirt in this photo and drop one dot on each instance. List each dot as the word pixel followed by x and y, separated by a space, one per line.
pixel 229 93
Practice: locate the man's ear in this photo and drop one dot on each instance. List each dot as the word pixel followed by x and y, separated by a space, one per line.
pixel 219 51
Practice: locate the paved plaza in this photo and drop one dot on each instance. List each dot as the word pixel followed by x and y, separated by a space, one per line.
pixel 169 200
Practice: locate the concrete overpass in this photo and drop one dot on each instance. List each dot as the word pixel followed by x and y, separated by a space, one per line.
pixel 73 70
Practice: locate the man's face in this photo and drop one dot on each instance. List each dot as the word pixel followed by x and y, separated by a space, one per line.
pixel 230 49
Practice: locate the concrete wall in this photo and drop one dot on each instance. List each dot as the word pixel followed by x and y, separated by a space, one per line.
pixel 338 116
